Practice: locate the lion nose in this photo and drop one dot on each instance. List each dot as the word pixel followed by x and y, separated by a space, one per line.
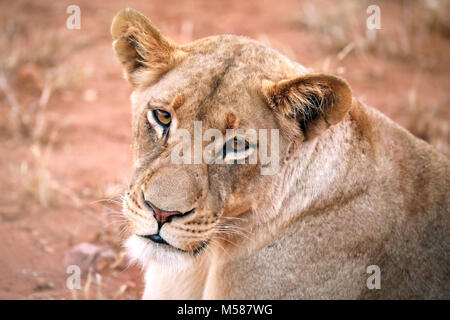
pixel 163 216
pixel 173 188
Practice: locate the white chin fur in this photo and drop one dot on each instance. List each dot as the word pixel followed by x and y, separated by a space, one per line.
pixel 144 252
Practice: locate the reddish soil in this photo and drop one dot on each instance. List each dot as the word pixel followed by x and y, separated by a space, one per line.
pixel 89 124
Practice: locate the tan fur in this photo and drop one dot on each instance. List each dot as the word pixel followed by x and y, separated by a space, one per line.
pixel 354 189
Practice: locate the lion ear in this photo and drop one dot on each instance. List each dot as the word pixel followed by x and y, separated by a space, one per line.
pixel 141 48
pixel 309 104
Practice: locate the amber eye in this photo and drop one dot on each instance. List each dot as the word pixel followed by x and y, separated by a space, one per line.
pixel 162 117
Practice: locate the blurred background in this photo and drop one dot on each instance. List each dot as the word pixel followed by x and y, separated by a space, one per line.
pixel 65 127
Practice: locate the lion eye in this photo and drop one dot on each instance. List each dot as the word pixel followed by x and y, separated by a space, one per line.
pixel 237 149
pixel 164 118
pixel 239 145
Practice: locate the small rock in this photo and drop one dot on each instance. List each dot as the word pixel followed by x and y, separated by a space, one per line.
pixel 87 255
pixel 42 284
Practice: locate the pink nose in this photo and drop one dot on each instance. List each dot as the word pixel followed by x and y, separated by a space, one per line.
pixel 163 216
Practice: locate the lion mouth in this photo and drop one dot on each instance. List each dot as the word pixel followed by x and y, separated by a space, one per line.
pixel 155 238
pixel 158 239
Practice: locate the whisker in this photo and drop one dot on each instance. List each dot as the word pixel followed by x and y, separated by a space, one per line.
pixel 229 241
pixel 105 200
pixel 218 244
pixel 233 218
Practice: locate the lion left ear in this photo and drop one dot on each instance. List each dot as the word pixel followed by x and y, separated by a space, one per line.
pixel 144 52
pixel 308 105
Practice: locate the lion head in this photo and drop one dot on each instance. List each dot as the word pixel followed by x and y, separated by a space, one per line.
pixel 223 84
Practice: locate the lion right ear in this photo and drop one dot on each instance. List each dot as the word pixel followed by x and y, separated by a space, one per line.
pixel 307 105
pixel 141 48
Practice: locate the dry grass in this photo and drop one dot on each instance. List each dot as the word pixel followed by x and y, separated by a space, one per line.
pixel 32 61
pixel 38 181
pixel 32 126
pixel 344 23
pixel 25 44
pixel 429 123
pixel 337 25
pixel 94 288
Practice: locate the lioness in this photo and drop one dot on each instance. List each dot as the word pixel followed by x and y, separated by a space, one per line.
pixel 353 189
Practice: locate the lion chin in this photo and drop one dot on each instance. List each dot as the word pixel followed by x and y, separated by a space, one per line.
pixel 144 253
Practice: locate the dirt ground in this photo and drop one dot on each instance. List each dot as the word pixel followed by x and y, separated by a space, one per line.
pixel 65 111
